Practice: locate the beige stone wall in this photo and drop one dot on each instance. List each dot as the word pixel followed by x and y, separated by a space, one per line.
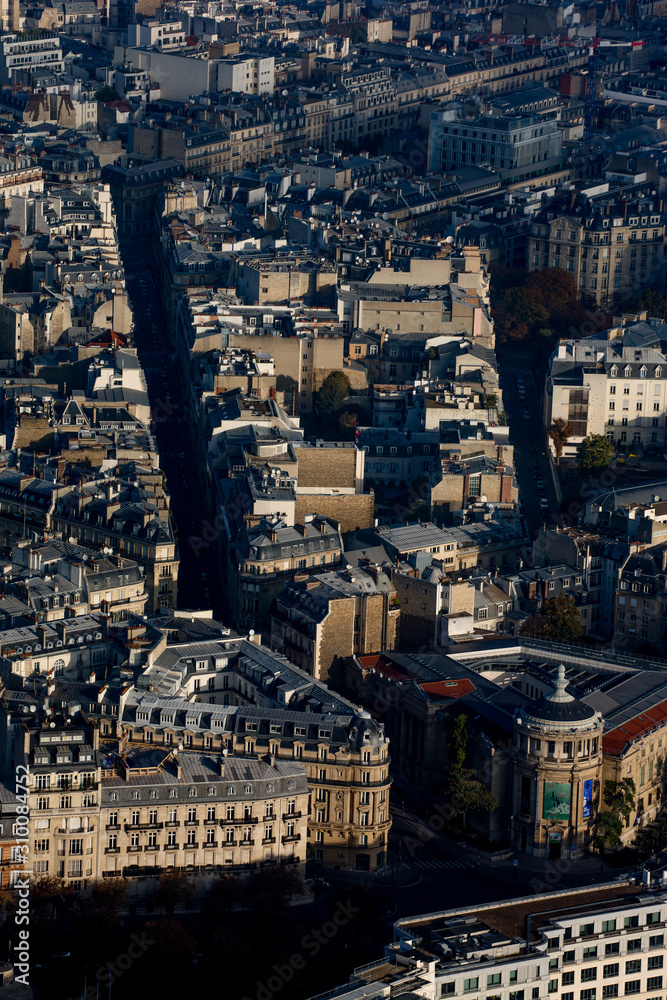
pixel 34 432
pixel 352 511
pixel 337 635
pixel 327 466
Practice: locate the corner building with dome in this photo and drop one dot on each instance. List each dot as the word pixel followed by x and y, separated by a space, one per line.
pixel 556 775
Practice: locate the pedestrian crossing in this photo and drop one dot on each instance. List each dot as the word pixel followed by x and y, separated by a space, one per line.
pixel 434 865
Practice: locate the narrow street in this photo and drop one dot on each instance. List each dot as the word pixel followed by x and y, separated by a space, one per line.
pixel 527 434
pixel 198 579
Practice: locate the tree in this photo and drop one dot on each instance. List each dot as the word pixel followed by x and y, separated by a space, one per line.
pixel 560 432
pixel 173 888
pixel 619 796
pixel 559 619
pixel 594 454
pixel 465 792
pixel 335 389
pixel 106 94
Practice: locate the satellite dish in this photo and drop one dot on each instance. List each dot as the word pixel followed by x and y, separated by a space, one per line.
pixel 225 751
pixel 72 540
pixel 251 632
pixel 385 216
pixel 33 708
pixel 180 746
pixel 175 752
pixel 25 709
pixel 449 239
pixel 285 93
pixel 52 725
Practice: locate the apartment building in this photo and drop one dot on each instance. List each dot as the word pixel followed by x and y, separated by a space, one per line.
pixel 641 599
pixel 553 943
pixel 610 388
pixel 316 619
pixel 29 51
pixel 518 146
pixel 268 555
pixel 64 799
pixel 200 811
pixel 133 521
pixel 609 239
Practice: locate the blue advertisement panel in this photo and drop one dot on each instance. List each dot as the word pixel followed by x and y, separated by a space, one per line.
pixel 588 798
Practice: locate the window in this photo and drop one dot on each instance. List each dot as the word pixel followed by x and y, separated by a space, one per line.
pixel 653 983
pixel 634 966
pixel 493 980
pixel 591 952
pixel 553 986
pixel 612 949
pixel 586 930
pixel 655 962
pixel 632 986
pixel 656 941
pixel 471 984
pixel 652 918
pixel 589 975
pixel 610 971
pixel 568 978
pixel 587 994
pixel 634 920
pixel 607 925
pixel 635 944
pixel 447 989
pixel 568 957
pixel 608 992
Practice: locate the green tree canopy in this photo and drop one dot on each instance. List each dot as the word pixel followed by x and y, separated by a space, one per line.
pixel 558 619
pixel 619 797
pixel 334 391
pixel 105 94
pixel 560 432
pixel 464 791
pixel 594 454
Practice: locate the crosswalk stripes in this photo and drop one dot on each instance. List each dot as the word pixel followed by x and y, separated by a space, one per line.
pixel 439 865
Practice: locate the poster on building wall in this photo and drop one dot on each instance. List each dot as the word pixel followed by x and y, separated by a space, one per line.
pixel 556 800
pixel 588 798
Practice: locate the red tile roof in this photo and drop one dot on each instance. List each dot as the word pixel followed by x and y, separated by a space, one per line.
pixel 448 689
pixel 382 665
pixel 616 740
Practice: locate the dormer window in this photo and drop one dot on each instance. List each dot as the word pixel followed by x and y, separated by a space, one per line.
pixel 614 372
pixel 628 371
pixel 658 372
pixel 643 372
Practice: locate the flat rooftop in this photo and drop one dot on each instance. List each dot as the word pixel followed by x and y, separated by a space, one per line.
pixel 508 917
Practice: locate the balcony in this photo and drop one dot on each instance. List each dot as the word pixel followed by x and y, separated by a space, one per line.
pixel 134 849
pixel 246 843
pixel 288 816
pixel 191 822
pixel 211 844
pixel 152 847
pixel 268 840
pixel 291 840
pixel 112 850
pixel 172 823
pixel 172 847
pixel 191 847
pixel 80 830
pixel 143 826
pixel 112 826
pixel 211 822
pixel 241 821
pixel 269 818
